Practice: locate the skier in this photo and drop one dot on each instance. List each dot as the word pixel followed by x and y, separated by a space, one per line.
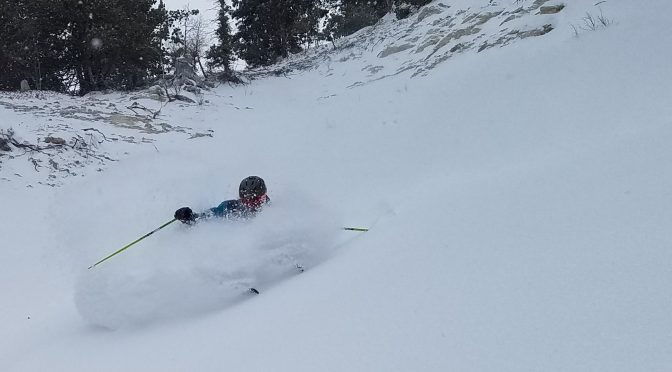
pixel 253 198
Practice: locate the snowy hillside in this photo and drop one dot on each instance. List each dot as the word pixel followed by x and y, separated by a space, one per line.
pixel 511 166
pixel 434 34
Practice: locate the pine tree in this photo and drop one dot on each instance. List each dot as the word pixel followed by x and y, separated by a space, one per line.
pixel 113 44
pixel 354 15
pixel 221 54
pixel 32 44
pixel 81 45
pixel 271 29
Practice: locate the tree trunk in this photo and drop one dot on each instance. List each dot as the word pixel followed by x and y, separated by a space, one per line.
pixel 93 78
pixel 83 83
pixel 205 76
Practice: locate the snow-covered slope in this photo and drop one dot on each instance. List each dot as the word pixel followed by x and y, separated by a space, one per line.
pixel 518 197
pixel 427 38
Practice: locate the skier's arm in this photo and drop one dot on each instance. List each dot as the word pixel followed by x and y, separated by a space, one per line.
pixel 227 209
pixel 222 210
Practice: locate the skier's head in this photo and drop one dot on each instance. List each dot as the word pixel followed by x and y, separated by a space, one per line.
pixel 252 192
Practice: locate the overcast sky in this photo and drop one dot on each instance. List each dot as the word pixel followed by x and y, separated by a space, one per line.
pixel 203 5
pixel 209 10
pixel 207 7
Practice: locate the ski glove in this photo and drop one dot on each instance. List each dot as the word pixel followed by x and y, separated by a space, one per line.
pixel 185 215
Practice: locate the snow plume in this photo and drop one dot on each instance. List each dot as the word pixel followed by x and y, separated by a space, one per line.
pixel 187 270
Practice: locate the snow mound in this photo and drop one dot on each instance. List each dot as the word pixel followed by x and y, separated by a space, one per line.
pixel 186 271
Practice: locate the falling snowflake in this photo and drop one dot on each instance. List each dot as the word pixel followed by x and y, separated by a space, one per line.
pixel 96 43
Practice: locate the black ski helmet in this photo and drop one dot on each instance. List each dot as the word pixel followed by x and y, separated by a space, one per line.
pixel 251 187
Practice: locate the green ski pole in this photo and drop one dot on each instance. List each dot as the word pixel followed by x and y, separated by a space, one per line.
pixel 128 246
pixel 355 229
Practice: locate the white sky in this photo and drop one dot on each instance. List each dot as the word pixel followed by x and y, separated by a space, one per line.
pixel 208 8
pixel 203 5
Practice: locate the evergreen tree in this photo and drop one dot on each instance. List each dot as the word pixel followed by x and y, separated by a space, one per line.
pixel 271 29
pixel 32 44
pixel 113 44
pixel 353 15
pixel 80 44
pixel 221 54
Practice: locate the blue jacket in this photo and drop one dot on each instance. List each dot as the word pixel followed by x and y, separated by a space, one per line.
pixel 231 209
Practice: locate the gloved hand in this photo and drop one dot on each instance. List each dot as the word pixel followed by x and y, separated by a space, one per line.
pixel 185 215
